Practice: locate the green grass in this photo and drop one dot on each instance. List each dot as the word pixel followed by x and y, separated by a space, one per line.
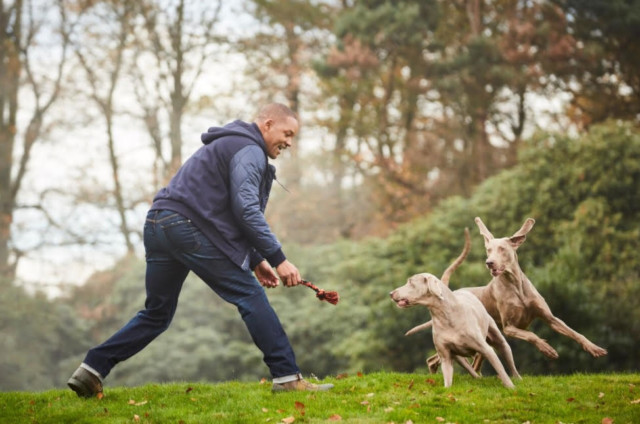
pixel 374 398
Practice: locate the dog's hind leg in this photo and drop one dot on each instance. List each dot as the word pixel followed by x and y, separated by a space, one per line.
pixel 463 361
pixel 559 326
pixel 491 356
pixel 477 362
pixel 497 340
pixel 433 362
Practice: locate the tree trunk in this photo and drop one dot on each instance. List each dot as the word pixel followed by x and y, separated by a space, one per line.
pixel 10 69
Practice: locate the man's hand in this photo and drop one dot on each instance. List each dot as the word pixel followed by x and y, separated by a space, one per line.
pixel 265 275
pixel 289 274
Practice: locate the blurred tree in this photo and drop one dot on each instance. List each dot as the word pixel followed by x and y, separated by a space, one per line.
pixel 605 77
pixel 174 45
pixel 434 97
pixel 103 67
pixel 25 89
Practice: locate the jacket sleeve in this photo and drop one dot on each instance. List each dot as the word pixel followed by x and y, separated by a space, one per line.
pixel 246 171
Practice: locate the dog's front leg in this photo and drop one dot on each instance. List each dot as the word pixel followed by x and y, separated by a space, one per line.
pixel 447 370
pixel 544 347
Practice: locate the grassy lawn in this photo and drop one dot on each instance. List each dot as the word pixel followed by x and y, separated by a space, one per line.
pixel 373 398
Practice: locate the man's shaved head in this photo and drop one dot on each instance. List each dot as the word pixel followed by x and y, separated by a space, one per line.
pixel 275 111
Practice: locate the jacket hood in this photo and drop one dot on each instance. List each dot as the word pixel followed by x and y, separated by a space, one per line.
pixel 235 128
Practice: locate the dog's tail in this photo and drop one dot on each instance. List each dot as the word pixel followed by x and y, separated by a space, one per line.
pixel 465 251
pixel 420 327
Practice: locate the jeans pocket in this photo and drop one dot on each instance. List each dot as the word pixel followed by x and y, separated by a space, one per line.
pixel 182 235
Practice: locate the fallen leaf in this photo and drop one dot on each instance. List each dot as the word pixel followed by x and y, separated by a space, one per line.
pixel 189 389
pixel 265 410
pixel 411 385
pixel 136 417
pixel 364 402
pixel 600 395
pixel 388 409
pixel 335 417
pixel 408 422
pixel 635 401
pixel 415 405
pixel 439 419
pixel 430 381
pixel 342 375
pixel 194 399
pixel 571 399
pixel 300 407
pixel 280 411
pixel 607 420
pixel 100 395
pixel 263 380
pixel 371 394
pixel 132 402
pixel 288 420
pixel 140 403
pixel 359 375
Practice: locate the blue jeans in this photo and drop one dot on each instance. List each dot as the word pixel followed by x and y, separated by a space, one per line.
pixel 174 246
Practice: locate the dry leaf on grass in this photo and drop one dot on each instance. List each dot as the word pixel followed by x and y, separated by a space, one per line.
pixel 136 417
pixel 635 401
pixel 607 420
pixel 439 419
pixel 300 407
pixel 335 417
pixel 288 420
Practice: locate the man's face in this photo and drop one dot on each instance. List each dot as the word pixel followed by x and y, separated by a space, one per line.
pixel 278 134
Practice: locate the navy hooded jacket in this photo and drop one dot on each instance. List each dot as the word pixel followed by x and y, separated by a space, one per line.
pixel 224 188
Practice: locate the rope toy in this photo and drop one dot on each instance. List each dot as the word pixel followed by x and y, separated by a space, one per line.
pixel 330 296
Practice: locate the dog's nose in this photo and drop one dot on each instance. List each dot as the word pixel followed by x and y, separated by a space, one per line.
pixel 489 263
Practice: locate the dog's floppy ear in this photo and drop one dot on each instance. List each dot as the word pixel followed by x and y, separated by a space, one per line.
pixel 483 230
pixel 434 286
pixel 520 236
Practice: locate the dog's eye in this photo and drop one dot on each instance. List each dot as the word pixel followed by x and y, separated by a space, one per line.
pixel 501 249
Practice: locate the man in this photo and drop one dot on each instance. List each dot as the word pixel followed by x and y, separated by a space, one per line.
pixel 210 220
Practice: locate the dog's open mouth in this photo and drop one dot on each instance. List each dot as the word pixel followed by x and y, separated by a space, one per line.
pixel 402 303
pixel 496 271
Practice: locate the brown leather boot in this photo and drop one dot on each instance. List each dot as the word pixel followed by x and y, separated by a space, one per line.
pixel 84 383
pixel 300 385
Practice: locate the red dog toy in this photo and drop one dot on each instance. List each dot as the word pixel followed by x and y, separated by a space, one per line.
pixel 330 296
